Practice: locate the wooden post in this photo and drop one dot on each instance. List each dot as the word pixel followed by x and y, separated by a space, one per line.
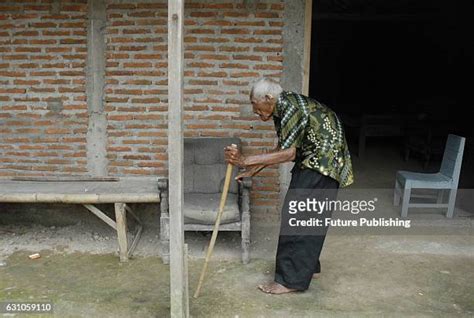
pixel 178 274
pixel 307 45
pixel 121 220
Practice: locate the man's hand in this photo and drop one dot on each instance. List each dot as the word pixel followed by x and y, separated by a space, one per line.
pixel 234 157
pixel 245 174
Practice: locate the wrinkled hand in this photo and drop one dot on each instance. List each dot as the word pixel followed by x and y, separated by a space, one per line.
pixel 234 157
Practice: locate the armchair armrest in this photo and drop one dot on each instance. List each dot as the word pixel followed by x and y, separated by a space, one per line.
pixel 246 183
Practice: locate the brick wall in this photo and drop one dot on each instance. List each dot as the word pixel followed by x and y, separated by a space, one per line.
pixel 42 59
pixel 227 46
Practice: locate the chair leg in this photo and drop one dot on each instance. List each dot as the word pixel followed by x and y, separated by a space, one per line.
pixel 245 237
pixel 451 202
pixel 165 237
pixel 164 225
pixel 396 194
pixel 440 196
pixel 405 201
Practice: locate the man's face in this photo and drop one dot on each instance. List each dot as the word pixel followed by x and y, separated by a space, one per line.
pixel 263 107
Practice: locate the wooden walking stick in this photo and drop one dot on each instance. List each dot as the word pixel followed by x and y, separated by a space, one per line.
pixel 228 176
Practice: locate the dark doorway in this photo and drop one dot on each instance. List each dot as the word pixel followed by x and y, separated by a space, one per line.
pixel 405 61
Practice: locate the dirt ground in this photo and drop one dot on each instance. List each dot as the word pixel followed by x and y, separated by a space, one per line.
pixel 363 276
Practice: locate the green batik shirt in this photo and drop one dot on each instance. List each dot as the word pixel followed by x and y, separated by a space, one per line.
pixel 316 133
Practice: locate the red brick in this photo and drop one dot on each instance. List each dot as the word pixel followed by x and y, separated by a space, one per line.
pixel 248 40
pixel 245 74
pixel 200 65
pixel 267 32
pixel 267 15
pixel 12 91
pixel 268 67
pixel 234 65
pixel 236 14
pixel 15 57
pixel 218 22
pixel 235 31
pixel 152 6
pixel 44 25
pixel 201 31
pixel 13 74
pixel 250 23
pixel 248 57
pixel 133 64
pixel 214 57
pixel 142 14
pixel 202 82
pixel 206 14
pixel 234 48
pixel 121 6
pixel 214 40
pixel 212 74
pixel 200 48
pixel 267 49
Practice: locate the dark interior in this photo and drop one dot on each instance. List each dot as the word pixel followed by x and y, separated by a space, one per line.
pixel 409 63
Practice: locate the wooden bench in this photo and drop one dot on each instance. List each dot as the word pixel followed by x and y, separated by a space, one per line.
pixel 89 191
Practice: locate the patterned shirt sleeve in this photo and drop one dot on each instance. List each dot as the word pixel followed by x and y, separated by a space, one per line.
pixel 293 124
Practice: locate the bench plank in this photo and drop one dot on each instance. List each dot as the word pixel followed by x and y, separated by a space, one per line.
pixel 124 190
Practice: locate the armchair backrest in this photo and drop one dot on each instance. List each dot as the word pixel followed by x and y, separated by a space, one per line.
pixel 452 157
pixel 204 165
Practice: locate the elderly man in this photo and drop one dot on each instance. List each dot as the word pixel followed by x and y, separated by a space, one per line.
pixel 311 135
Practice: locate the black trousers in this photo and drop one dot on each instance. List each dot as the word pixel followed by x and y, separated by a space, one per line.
pixel 297 256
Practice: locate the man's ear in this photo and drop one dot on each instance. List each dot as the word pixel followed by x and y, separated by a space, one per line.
pixel 269 97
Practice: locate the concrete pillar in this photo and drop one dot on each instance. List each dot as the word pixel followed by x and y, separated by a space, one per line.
pixel 293 63
pixel 95 83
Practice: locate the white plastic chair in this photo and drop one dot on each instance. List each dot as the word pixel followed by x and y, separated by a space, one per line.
pixel 446 179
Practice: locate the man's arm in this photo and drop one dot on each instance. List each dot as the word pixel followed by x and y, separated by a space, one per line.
pixel 257 168
pixel 234 157
pixel 280 156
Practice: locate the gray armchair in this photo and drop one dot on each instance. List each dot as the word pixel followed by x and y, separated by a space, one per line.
pixel 204 174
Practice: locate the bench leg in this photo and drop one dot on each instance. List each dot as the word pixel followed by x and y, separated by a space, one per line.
pixel 121 220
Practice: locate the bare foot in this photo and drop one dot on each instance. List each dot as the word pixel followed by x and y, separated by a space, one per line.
pixel 275 288
pixel 316 275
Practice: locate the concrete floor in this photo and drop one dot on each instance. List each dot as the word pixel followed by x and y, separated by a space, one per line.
pixel 424 272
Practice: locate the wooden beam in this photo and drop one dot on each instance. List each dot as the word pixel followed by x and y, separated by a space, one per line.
pixel 178 274
pixel 307 45
pixel 65 179
pixel 101 215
